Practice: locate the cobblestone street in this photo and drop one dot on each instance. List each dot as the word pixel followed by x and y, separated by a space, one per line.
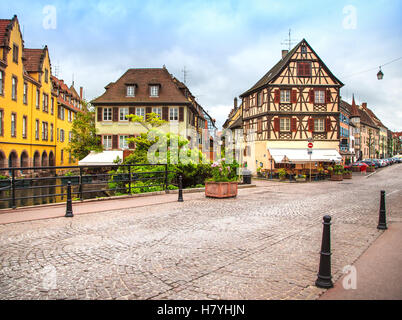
pixel 262 245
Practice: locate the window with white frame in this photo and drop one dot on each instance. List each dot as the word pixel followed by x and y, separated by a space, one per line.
pixel 140 112
pixel 1 122
pixel 319 96
pixel 158 111
pixel 285 96
pixel 123 144
pixel 14 88
pixel 107 114
pixel 25 96
pixel 24 126
pixel 154 91
pixel 51 132
pixel 319 125
pixel 284 124
pixel 37 129
pixel 37 98
pixel 123 112
pixel 107 142
pixel 130 91
pixel 173 114
pixel 61 135
pixel 1 82
pixel 13 124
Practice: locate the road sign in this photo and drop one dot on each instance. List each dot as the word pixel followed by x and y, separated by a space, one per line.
pixel 309 151
pixel 310 145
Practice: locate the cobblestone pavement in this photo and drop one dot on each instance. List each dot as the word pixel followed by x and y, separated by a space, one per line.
pixel 263 245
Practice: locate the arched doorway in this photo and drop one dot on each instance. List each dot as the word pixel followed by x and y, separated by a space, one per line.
pixel 44 159
pixel 13 159
pixel 24 159
pixel 51 159
pixel 2 159
pixel 36 159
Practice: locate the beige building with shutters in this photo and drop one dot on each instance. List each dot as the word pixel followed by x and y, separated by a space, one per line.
pixel 140 92
pixel 295 102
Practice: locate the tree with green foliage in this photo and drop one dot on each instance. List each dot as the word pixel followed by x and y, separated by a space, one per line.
pixel 84 139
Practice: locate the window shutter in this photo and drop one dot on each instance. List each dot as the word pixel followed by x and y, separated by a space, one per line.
pixel 115 142
pixel 328 96
pixel 115 114
pixel 131 110
pixel 311 125
pixel 99 114
pixel 277 125
pixel 293 124
pixel 294 96
pixel 277 98
pixel 131 144
pixel 311 96
pixel 259 126
pixel 165 113
pixel 327 124
pixel 181 113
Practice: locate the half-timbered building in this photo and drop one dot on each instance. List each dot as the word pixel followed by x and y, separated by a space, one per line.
pixel 294 103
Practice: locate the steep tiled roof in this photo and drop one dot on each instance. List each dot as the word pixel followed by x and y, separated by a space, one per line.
pixel 33 59
pixel 142 78
pixel 375 118
pixel 277 69
pixel 4 23
pixel 365 118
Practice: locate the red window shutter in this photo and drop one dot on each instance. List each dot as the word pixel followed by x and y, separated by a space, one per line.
pixel 165 113
pixel 99 114
pixel 311 125
pixel 311 96
pixel 300 69
pixel 181 114
pixel 277 98
pixel 115 114
pixel 115 142
pixel 327 124
pixel 259 126
pixel 131 110
pixel 307 69
pixel 277 125
pixel 293 124
pixel 294 96
pixel 328 96
pixel 131 144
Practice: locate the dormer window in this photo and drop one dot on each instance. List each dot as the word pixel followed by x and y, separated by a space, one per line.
pixel 154 91
pixel 131 91
pixel 303 50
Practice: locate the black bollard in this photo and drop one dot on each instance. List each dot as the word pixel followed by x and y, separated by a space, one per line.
pixel 69 209
pixel 324 279
pixel 382 223
pixel 180 199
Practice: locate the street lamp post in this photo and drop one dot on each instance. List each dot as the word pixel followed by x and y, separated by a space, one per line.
pixel 270 173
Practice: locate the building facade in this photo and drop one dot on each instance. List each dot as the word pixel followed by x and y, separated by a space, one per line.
pixel 28 104
pixel 295 102
pixel 140 92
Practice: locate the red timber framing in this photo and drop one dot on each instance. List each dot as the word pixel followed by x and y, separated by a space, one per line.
pixel 283 92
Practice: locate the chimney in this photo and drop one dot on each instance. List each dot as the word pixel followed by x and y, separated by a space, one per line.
pixel 364 105
pixel 81 89
pixel 235 103
pixel 284 53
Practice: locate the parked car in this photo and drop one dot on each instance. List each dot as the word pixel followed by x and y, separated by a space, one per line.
pixel 371 163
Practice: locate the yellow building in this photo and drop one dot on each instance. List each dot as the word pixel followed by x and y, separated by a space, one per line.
pixel 29 119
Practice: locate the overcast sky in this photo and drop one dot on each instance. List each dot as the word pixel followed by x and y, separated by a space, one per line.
pixel 226 46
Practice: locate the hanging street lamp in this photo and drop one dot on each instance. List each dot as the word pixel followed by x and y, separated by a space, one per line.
pixel 380 75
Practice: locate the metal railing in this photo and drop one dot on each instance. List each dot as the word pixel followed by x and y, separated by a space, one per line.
pixel 86 181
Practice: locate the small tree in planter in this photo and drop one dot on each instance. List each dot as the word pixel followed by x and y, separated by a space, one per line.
pixel 337 173
pixel 371 168
pixel 282 174
pixel 223 183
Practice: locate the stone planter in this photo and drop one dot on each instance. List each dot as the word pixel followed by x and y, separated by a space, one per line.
pixel 355 169
pixel 347 176
pixel 220 189
pixel 337 177
pixel 370 169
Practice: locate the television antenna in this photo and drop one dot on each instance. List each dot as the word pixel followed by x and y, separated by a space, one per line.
pixel 289 42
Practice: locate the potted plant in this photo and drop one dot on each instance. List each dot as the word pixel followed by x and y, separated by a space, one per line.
pixel 337 173
pixel 371 168
pixel 347 174
pixel 282 174
pixel 223 183
pixel 259 174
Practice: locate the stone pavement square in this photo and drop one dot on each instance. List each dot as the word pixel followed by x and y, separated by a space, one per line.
pixel 262 245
